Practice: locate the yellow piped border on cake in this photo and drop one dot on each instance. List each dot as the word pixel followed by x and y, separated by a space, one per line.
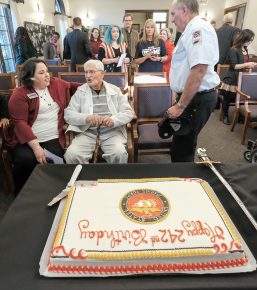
pixel 63 218
pixel 148 254
pixel 138 180
pixel 220 209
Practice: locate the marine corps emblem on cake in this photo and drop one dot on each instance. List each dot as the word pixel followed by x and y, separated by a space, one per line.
pixel 145 206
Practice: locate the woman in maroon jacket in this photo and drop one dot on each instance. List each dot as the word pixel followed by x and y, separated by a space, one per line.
pixel 36 111
pixel 95 42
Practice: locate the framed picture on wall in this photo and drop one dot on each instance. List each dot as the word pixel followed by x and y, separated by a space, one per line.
pixel 136 27
pixel 102 29
pixel 39 34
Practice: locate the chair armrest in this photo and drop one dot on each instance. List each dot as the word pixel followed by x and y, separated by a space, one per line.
pixel 243 95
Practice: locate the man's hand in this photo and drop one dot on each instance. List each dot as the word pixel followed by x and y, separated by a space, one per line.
pixel 107 122
pixel 94 120
pixel 174 111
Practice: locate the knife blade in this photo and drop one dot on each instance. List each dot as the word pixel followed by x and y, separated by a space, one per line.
pixel 66 190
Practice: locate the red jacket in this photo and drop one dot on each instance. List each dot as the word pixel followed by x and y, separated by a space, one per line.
pixel 95 46
pixel 169 49
pixel 23 112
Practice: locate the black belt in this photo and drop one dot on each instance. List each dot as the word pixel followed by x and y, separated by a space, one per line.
pixel 201 92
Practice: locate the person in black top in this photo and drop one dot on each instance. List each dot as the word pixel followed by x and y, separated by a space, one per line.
pixel 238 60
pixel 150 50
pixel 23 46
pixel 77 45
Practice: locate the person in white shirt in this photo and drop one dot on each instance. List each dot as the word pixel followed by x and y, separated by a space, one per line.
pixel 192 75
pixel 98 105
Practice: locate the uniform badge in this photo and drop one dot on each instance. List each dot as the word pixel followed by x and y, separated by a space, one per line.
pixel 145 206
pixel 197 37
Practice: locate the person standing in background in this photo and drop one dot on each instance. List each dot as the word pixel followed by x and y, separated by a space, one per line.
pixel 131 37
pixel 77 45
pixel 95 42
pixel 238 60
pixel 66 56
pixel 23 46
pixel 166 37
pixel 52 47
pixel 150 50
pixel 112 48
pixel 226 34
pixel 193 79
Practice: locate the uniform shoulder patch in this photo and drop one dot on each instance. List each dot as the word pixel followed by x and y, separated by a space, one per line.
pixel 196 37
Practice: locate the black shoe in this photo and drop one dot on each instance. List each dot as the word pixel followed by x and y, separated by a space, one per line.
pixel 226 120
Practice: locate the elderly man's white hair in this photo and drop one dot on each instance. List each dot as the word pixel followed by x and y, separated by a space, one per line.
pixel 97 64
pixel 228 18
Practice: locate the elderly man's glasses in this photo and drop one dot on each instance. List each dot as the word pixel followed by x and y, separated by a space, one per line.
pixel 91 71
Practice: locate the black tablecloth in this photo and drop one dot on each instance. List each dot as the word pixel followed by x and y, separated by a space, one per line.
pixel 25 228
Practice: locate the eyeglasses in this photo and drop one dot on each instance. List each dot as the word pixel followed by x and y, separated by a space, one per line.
pixel 91 71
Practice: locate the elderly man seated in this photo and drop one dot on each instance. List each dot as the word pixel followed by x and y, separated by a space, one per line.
pixel 98 104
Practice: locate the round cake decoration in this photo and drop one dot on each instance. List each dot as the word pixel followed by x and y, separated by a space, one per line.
pixel 145 206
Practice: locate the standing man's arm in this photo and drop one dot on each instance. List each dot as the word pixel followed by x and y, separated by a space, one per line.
pixel 191 88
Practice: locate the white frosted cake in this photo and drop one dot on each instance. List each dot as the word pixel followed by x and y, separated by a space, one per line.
pixel 127 227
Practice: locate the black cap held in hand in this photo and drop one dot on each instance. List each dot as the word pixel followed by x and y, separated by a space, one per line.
pixel 179 126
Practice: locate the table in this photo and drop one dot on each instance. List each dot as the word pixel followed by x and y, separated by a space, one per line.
pixel 25 228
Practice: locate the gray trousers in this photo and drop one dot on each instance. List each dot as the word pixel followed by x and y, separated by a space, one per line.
pixel 82 147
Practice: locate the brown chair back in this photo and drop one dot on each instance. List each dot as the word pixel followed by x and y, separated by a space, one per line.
pixel 7 82
pixel 52 61
pixel 80 68
pixel 55 69
pixel 78 77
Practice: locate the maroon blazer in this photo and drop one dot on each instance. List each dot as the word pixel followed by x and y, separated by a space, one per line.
pixel 23 112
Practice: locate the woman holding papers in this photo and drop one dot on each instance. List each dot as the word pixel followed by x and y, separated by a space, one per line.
pixel 113 51
pixel 150 50
pixel 36 112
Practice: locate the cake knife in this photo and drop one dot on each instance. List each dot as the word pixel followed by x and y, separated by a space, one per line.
pixel 66 190
pixel 201 152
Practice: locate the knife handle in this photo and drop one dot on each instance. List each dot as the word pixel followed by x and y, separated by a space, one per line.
pixel 75 175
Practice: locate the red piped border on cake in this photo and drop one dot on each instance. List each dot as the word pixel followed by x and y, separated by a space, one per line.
pixel 141 269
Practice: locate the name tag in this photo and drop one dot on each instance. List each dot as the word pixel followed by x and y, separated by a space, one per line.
pixel 32 96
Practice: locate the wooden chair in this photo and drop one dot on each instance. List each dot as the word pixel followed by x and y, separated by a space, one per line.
pixel 80 68
pixel 7 82
pixel 150 102
pixel 55 69
pixel 222 70
pixel 118 79
pixel 246 102
pixel 149 77
pixel 54 61
pixel 78 77
pixel 67 61
pixel 7 85
pixel 70 135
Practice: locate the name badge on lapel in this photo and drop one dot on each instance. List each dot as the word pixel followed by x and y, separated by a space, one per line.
pixel 32 96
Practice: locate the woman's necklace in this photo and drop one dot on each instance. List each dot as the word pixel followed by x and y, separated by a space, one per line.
pixel 43 95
